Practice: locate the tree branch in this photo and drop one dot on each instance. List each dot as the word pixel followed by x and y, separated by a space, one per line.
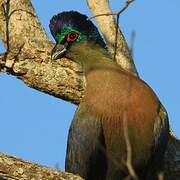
pixel 29 54
pixel 123 55
pixel 117 32
pixel 2 63
pixel 12 168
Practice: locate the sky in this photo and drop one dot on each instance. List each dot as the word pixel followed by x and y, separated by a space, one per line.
pixel 34 125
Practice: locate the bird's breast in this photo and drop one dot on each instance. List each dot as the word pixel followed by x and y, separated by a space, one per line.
pixel 109 93
pixel 112 96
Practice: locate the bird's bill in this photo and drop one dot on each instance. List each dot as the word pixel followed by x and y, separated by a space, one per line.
pixel 58 51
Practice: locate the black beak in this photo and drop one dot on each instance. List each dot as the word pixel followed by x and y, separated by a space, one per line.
pixel 58 51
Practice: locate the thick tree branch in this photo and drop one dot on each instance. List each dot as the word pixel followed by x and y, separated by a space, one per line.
pixel 29 54
pixel 12 168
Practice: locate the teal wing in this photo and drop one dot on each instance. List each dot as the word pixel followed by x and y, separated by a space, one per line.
pixel 161 128
pixel 161 137
pixel 86 147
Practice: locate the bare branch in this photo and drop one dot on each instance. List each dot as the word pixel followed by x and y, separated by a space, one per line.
pixel 129 164
pixel 5 8
pixel 132 41
pixel 113 14
pixel 29 54
pixel 12 168
pixel 2 63
pixel 18 18
pixel 116 36
pixel 128 2
pixel 123 55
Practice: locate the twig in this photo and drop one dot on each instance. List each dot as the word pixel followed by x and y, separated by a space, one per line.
pixel 116 36
pixel 132 41
pixel 6 8
pixel 127 3
pixel 129 165
pixel 2 63
pixel 17 10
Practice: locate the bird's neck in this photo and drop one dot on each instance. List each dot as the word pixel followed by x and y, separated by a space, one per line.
pixel 94 63
pixel 89 55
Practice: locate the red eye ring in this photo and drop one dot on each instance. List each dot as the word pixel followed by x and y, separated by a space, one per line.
pixel 72 36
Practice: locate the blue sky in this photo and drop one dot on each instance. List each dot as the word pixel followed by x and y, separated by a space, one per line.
pixel 35 125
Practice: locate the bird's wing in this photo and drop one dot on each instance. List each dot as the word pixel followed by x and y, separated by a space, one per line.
pixel 161 137
pixel 85 150
pixel 161 128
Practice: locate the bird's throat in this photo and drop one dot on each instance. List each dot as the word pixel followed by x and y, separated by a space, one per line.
pixel 88 55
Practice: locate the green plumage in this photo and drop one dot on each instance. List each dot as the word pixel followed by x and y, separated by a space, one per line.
pixel 97 148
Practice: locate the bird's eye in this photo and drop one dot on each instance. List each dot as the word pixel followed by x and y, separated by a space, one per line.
pixel 72 36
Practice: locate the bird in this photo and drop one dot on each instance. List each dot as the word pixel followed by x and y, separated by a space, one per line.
pixel 118 111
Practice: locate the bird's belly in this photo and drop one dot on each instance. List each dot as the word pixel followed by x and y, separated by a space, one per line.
pixel 113 113
pixel 139 133
pixel 115 102
pixel 118 140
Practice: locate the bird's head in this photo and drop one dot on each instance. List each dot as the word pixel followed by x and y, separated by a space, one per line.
pixel 75 36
